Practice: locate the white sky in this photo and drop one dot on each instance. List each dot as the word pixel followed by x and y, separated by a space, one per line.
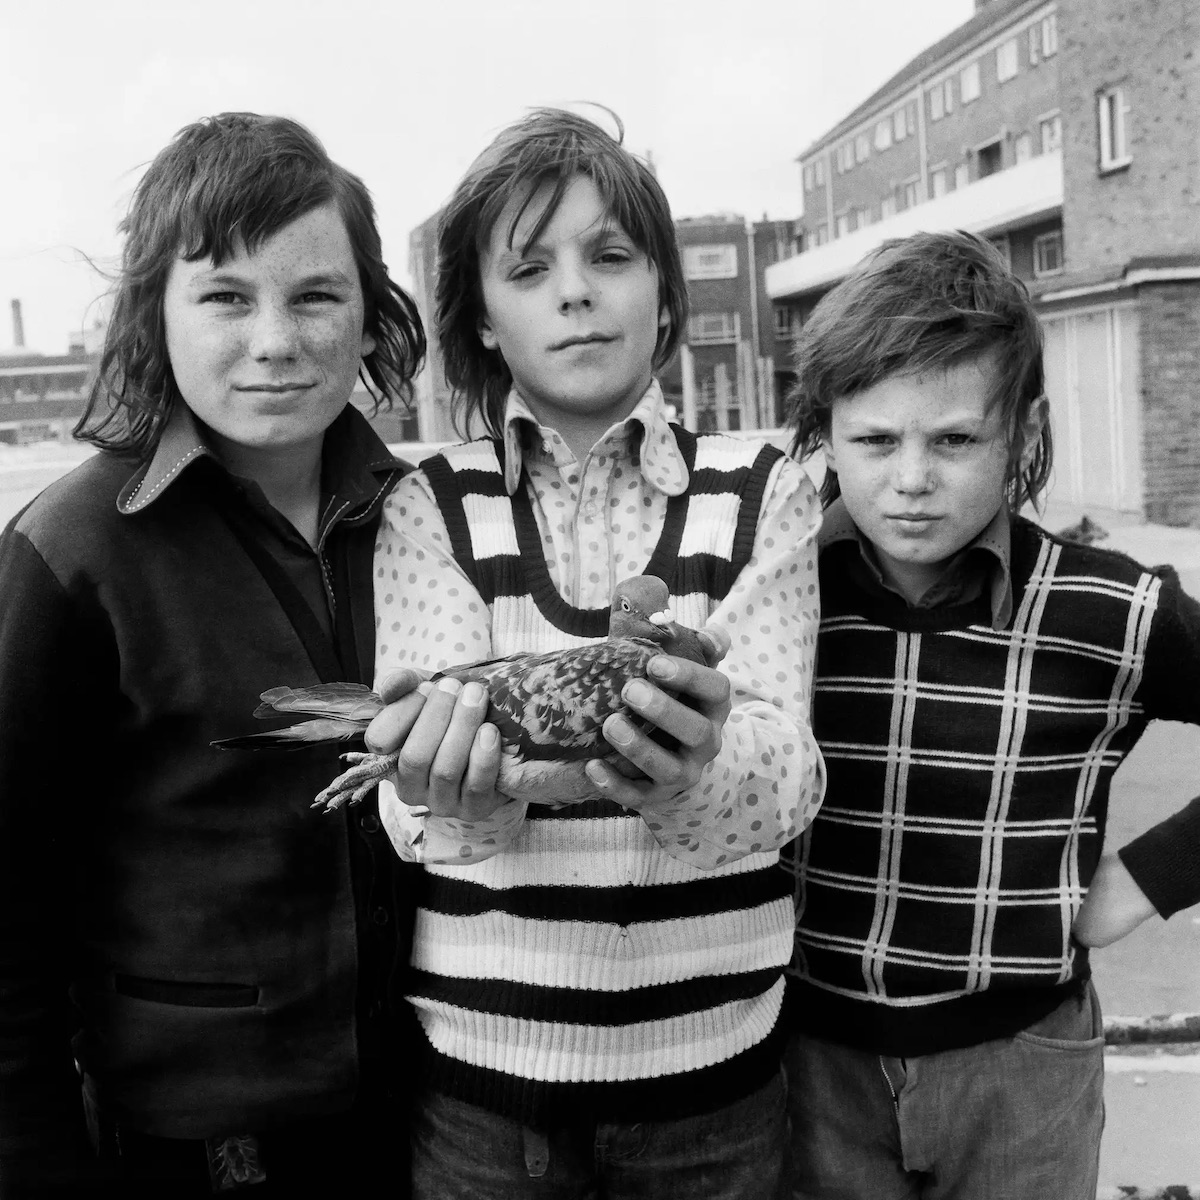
pixel 725 95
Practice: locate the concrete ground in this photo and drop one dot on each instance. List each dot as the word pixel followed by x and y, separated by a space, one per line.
pixel 1151 1142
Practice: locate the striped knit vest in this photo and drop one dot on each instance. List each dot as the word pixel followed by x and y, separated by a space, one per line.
pixel 968 781
pixel 584 973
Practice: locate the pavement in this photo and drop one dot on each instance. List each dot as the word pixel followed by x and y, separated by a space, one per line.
pixel 1151 1146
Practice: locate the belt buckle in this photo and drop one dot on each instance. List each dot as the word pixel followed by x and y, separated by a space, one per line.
pixel 234 1162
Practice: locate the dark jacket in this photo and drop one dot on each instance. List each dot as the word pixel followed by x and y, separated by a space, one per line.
pixel 174 916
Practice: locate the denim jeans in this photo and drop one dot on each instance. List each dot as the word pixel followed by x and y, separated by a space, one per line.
pixel 463 1152
pixel 1010 1119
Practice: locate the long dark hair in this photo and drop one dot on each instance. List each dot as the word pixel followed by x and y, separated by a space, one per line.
pixel 223 183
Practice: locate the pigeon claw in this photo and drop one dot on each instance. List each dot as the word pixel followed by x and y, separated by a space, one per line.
pixel 354 785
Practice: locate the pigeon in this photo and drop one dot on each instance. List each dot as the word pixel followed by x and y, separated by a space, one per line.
pixel 549 708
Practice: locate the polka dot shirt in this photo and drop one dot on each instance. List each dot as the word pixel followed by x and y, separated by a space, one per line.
pixel 600 521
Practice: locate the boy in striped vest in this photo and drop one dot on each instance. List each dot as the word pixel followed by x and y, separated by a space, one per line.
pixel 978 683
pixel 599 985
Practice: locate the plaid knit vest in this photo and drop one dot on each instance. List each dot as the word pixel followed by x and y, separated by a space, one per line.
pixel 658 987
pixel 968 782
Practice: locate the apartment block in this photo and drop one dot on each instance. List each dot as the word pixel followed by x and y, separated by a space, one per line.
pixel 1065 132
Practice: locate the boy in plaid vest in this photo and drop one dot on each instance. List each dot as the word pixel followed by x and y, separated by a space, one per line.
pixel 978 683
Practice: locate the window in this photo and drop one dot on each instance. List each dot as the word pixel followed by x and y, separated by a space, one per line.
pixel 819 172
pixel 1035 44
pixel 1002 244
pixel 1049 36
pixel 941 100
pixel 962 176
pixel 822 235
pixel 841 225
pixel 900 124
pixel 808 178
pixel 862 148
pixel 1006 60
pixel 991 159
pixel 710 262
pixel 968 83
pixel 1048 254
pixel 845 157
pixel 712 327
pixel 910 193
pixel 1050 129
pixel 1114 145
pixel 937 182
pixel 1023 147
pixel 883 134
pixel 862 218
pixel 783 320
pixel 887 207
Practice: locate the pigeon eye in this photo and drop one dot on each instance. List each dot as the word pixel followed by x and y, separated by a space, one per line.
pixel 625 605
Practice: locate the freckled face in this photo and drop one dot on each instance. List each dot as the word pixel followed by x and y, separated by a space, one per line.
pixel 922 461
pixel 575 314
pixel 266 347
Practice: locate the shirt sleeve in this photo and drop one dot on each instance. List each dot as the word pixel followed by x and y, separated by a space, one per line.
pixel 765 785
pixel 429 615
pixel 1165 860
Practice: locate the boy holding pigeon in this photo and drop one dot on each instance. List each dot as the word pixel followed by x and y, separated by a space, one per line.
pixel 599 983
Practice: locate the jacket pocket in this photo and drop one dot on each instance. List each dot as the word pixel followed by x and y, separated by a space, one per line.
pixel 187 993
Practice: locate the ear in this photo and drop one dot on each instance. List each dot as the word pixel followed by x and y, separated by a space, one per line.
pixel 487 335
pixel 368 344
pixel 664 317
pixel 1031 429
pixel 827 449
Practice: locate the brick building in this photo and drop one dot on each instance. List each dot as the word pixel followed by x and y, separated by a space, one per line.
pixel 731 369
pixel 1064 131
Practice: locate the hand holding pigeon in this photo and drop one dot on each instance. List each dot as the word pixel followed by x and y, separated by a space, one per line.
pixel 550 709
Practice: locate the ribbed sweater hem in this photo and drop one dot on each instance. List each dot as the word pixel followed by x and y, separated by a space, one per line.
pixel 906 1032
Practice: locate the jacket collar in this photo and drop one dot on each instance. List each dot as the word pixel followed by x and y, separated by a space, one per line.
pixel 355 462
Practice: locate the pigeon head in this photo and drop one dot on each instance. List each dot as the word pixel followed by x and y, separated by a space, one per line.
pixel 639 610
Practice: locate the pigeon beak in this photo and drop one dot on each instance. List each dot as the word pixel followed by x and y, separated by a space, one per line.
pixel 666 617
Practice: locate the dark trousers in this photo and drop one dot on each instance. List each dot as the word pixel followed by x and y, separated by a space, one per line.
pixel 342 1155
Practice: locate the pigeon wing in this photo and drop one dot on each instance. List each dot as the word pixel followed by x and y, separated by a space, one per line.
pixel 346 701
pixel 553 706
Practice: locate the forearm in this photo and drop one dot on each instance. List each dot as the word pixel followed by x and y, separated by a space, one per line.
pixel 1114 906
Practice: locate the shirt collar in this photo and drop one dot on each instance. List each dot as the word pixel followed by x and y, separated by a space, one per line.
pixel 353 458
pixel 994 541
pixel 644 437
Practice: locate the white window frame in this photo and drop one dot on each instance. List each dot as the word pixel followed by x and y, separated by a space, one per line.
pixel 819 172
pixel 862 218
pixel 1006 61
pixel 1112 110
pixel 783 320
pixel 723 266
pixel 883 134
pixel 1050 35
pixel 962 175
pixel 712 328
pixel 887 206
pixel 1050 131
pixel 969 84
pixel 1035 44
pixel 822 235
pixel 937 103
pixel 912 191
pixel 936 174
pixel 808 177
pixel 862 147
pixel 900 124
pixel 841 224
pixel 1023 147
pixel 1040 246
pixel 949 89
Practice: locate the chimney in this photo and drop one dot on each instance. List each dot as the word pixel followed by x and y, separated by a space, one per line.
pixel 18 325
